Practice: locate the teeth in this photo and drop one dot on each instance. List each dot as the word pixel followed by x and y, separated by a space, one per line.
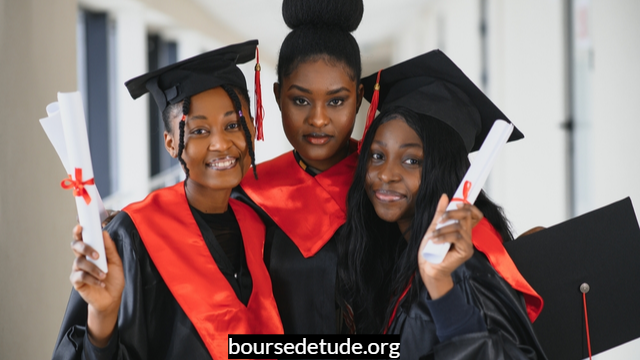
pixel 222 163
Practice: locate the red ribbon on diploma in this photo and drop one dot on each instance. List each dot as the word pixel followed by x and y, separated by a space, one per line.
pixel 465 193
pixel 78 185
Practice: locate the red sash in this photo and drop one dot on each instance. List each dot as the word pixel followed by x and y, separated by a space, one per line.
pixel 177 248
pixel 308 209
pixel 487 240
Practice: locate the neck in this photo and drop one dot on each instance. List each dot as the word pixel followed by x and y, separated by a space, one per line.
pixel 319 166
pixel 207 200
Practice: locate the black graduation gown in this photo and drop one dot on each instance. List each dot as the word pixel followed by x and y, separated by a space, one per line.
pixel 509 332
pixel 151 323
pixel 304 288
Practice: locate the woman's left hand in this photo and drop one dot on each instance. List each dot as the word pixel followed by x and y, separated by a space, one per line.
pixel 437 277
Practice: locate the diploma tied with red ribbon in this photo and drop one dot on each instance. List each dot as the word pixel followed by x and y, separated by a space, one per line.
pixel 66 128
pixel 472 183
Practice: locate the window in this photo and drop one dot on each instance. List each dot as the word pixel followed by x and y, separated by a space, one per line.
pixel 96 80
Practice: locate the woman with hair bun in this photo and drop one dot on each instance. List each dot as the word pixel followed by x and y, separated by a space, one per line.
pixel 301 195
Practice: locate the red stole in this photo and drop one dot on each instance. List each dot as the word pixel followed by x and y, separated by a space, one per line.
pixel 308 209
pixel 176 246
pixel 487 240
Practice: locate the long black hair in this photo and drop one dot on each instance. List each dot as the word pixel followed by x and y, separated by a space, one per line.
pixel 184 107
pixel 321 30
pixel 376 264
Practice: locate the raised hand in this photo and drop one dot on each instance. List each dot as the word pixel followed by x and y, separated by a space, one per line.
pixel 103 292
pixel 437 277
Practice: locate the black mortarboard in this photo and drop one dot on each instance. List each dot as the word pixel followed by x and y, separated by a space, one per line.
pixel 433 85
pixel 172 83
pixel 601 249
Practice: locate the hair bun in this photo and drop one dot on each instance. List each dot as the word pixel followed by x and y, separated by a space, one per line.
pixel 342 14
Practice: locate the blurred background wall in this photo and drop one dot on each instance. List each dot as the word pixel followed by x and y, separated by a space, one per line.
pixel 564 71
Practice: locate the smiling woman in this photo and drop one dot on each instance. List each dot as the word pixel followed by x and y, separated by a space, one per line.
pixel 185 238
pixel 413 156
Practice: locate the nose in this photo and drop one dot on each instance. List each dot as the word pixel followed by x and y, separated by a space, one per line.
pixel 318 117
pixel 220 141
pixel 388 172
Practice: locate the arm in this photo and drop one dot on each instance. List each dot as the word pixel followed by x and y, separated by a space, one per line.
pixel 476 313
pixel 81 332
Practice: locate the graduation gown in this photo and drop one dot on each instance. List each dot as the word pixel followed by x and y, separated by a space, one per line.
pixel 302 213
pixel 180 298
pixel 506 313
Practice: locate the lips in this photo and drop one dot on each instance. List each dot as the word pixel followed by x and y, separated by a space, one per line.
pixel 317 138
pixel 224 163
pixel 388 195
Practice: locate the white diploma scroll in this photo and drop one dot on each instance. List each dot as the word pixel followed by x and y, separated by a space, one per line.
pixel 66 129
pixel 472 182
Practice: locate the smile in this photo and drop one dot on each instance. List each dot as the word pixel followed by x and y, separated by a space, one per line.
pixel 225 163
pixel 317 138
pixel 388 195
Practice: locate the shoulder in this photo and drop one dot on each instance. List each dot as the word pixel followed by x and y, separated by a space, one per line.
pixel 124 233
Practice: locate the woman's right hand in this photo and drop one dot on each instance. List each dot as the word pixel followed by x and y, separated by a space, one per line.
pixel 103 292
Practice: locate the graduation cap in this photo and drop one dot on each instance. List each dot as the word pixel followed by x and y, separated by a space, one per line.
pixel 587 270
pixel 431 84
pixel 173 83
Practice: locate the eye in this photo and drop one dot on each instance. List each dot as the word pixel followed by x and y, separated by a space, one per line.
pixel 412 162
pixel 300 101
pixel 336 102
pixel 233 126
pixel 198 131
pixel 376 156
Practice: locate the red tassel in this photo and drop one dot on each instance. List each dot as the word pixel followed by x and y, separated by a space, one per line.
pixel 372 109
pixel 259 108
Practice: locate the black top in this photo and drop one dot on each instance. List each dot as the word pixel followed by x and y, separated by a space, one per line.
pixel 151 323
pixel 227 249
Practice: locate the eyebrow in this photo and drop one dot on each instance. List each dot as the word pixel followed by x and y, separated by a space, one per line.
pixel 202 117
pixel 407 145
pixel 330 92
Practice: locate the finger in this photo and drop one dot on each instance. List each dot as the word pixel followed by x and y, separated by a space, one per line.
pixel 110 249
pixel 77 232
pixel 441 209
pixel 80 278
pixel 80 248
pixel 82 264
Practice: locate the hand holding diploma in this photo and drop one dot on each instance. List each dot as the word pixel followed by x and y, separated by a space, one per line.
pixel 471 184
pixel 103 292
pixel 437 277
pixel 67 131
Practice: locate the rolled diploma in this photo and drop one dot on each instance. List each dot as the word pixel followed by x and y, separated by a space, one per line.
pixel 477 176
pixel 52 126
pixel 79 156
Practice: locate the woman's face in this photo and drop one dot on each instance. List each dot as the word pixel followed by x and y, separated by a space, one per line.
pixel 319 103
pixel 216 151
pixel 394 172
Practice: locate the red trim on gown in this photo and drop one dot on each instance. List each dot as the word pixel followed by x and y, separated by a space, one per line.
pixel 178 250
pixel 488 241
pixel 309 209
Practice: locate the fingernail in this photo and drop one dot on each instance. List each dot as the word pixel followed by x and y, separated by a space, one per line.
pixel 102 275
pixel 103 284
pixel 94 255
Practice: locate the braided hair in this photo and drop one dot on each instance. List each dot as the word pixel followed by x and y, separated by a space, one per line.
pixel 321 30
pixel 186 105
pixel 243 122
pixel 171 111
